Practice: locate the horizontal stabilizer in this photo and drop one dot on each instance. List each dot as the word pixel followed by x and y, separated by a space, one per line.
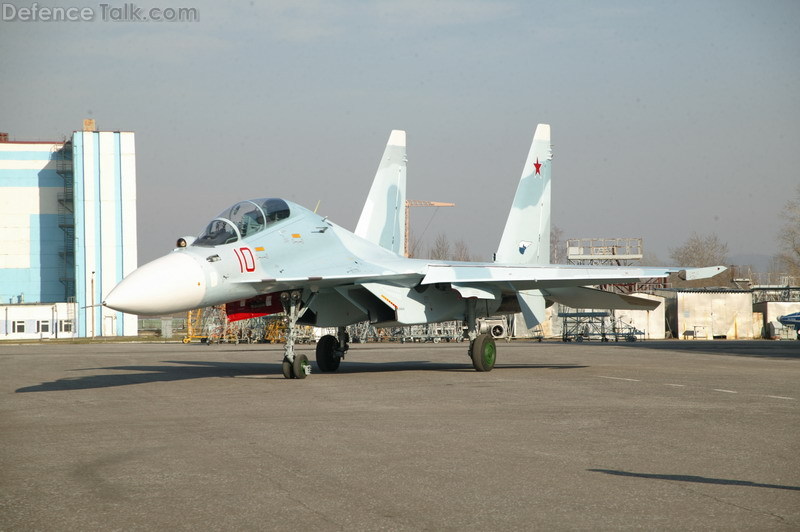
pixel 546 277
pixel 582 297
pixel 692 274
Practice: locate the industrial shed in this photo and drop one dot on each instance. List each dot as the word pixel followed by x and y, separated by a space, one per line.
pixel 711 313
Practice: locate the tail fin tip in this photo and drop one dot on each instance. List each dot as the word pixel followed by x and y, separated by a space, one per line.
pixel 397 138
pixel 542 132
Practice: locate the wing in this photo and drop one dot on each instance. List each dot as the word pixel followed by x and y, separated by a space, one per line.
pixel 515 278
pixel 534 285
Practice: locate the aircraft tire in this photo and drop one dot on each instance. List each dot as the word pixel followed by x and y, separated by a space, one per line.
pixel 327 360
pixel 299 366
pixel 483 352
pixel 288 371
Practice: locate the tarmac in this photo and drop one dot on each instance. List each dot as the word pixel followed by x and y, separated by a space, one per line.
pixel 683 435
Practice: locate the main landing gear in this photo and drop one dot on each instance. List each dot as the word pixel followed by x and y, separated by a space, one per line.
pixel 330 349
pixel 482 349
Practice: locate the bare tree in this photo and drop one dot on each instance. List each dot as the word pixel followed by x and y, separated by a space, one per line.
pixel 557 254
pixel 440 249
pixel 650 259
pixel 461 251
pixel 700 251
pixel 789 237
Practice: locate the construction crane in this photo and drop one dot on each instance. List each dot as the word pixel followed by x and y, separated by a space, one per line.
pixel 420 203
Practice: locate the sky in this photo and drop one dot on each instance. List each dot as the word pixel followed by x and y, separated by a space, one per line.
pixel 667 118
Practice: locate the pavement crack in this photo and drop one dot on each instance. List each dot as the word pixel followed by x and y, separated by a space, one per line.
pixel 733 504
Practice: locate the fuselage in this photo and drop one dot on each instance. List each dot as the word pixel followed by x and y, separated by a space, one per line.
pixel 266 246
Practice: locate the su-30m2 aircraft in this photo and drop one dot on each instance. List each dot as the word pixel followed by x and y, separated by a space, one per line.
pixel 269 255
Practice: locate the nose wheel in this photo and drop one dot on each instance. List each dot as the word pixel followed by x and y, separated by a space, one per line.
pixel 300 368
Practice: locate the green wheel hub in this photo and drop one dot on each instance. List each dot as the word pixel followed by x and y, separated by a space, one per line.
pixel 489 354
pixel 483 353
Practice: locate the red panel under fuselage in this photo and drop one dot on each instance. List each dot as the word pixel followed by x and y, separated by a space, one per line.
pixel 262 305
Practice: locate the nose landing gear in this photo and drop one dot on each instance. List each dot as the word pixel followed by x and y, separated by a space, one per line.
pixel 294 366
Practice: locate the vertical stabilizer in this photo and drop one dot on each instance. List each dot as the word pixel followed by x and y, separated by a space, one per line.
pixel 526 237
pixel 382 220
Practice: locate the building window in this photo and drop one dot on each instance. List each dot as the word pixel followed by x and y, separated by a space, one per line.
pixel 18 326
pixel 43 326
pixel 65 326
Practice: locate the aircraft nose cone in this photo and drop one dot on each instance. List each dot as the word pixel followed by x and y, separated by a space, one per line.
pixel 173 283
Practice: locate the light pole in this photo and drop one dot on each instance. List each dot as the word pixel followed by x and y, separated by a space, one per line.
pixel 92 304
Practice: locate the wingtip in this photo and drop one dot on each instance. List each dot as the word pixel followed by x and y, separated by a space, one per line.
pixel 692 274
pixel 397 138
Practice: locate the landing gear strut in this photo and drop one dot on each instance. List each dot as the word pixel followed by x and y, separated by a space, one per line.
pixel 482 349
pixel 295 366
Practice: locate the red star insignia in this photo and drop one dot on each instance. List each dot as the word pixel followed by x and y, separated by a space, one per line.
pixel 538 165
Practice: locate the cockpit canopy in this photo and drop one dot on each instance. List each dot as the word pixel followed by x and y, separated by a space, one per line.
pixel 244 219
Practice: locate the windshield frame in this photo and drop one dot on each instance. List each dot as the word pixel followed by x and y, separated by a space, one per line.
pixel 245 218
pixel 214 235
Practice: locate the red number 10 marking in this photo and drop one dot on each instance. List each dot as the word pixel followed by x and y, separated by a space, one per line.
pixel 247 262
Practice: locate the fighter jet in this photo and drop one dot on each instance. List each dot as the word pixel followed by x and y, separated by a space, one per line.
pixel 791 320
pixel 269 255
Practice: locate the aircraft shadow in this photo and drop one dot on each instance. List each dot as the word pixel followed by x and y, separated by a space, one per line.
pixel 696 479
pixel 184 370
pixel 174 370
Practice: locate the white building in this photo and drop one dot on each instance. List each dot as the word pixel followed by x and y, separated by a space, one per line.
pixel 21 322
pixel 67 232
